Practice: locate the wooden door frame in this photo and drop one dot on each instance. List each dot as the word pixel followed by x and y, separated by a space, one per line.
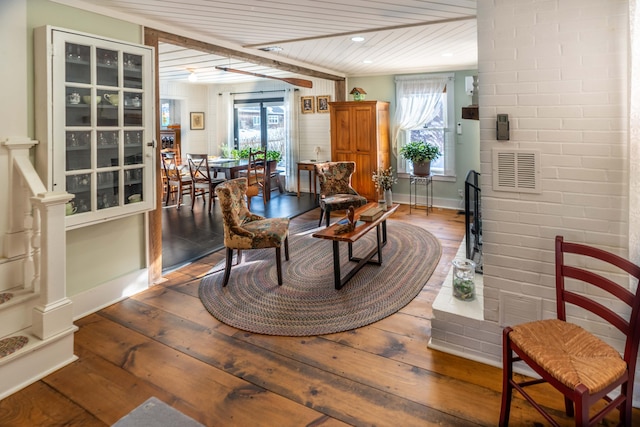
pixel 153 37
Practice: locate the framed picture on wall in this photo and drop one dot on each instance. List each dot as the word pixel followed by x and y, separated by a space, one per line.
pixel 322 103
pixel 306 104
pixel 197 121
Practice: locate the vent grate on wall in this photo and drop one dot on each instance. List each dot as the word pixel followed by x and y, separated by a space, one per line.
pixel 516 170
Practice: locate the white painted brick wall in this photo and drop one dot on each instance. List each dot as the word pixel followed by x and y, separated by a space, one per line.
pixel 559 69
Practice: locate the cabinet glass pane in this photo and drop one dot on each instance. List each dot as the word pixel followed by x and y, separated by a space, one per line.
pixel 107 194
pixel 132 71
pixel 82 203
pixel 107 149
pixel 133 185
pixel 107 67
pixel 76 112
pixel 77 63
pixel 133 148
pixel 80 185
pixel 107 113
pixel 132 109
pixel 78 150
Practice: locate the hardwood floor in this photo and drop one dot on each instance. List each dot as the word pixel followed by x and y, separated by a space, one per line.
pixel 163 343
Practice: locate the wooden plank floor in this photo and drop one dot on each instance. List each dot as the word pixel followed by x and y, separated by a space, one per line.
pixel 163 343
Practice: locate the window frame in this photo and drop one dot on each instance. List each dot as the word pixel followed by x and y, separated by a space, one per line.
pixel 403 166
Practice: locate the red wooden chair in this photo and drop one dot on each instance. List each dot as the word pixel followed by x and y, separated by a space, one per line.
pixel 580 365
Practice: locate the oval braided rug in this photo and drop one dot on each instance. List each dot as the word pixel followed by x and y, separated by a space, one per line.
pixel 307 303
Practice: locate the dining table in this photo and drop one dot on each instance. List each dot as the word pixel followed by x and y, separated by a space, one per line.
pixel 232 167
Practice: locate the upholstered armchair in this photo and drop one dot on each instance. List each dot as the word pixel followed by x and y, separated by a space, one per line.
pixel 246 230
pixel 336 192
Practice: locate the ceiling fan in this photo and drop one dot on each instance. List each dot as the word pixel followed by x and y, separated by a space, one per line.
pixel 291 80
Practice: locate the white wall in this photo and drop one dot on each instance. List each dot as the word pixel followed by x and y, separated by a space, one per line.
pixel 13 84
pixel 559 69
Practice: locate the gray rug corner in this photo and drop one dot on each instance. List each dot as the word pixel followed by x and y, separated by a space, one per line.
pixel 155 413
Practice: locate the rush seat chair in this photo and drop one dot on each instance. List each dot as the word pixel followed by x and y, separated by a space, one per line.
pixel 245 230
pixel 580 365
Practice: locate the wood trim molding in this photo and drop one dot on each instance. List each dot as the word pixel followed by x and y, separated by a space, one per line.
pixel 190 43
pixel 155 216
pixel 153 37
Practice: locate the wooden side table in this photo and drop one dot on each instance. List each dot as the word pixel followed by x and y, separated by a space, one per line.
pixel 310 166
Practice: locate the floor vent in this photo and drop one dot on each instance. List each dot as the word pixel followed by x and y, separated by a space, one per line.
pixel 516 170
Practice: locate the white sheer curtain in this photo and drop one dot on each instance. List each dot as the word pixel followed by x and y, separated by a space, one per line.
pixel 634 132
pixel 291 136
pixel 226 112
pixel 416 98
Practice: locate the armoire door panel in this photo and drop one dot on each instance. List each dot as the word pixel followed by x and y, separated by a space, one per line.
pixel 360 133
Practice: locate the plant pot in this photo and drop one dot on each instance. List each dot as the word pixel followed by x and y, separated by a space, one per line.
pixel 422 168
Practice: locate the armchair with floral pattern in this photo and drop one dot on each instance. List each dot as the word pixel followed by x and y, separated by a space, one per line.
pixel 336 192
pixel 246 230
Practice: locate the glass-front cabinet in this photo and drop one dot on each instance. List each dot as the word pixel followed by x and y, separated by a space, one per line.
pixel 98 142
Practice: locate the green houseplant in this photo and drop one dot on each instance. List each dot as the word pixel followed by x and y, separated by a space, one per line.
pixel 244 154
pixel 420 153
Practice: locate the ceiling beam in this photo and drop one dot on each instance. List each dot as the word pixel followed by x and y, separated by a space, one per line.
pixel 190 43
pixel 370 30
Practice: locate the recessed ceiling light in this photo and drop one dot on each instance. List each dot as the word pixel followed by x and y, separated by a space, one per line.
pixel 447 54
pixel 367 61
pixel 271 49
pixel 357 39
pixel 193 77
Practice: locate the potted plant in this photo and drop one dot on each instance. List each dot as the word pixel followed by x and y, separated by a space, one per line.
pixel 420 153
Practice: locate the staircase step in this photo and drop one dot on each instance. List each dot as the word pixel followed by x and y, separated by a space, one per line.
pixel 5 296
pixel 12 344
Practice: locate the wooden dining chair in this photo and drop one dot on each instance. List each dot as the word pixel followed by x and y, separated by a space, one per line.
pixel 177 178
pixel 336 192
pixel 245 230
pixel 203 184
pixel 256 175
pixel 579 364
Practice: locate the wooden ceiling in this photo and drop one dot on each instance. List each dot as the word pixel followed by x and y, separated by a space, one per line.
pixel 400 36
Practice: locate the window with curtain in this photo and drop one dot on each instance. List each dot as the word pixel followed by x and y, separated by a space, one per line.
pixel 424 112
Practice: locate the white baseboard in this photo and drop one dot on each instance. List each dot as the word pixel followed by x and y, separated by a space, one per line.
pixel 35 361
pixel 108 293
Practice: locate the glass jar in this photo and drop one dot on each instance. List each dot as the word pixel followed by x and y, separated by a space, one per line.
pixel 464 287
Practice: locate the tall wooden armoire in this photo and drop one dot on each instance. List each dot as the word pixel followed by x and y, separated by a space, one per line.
pixel 360 133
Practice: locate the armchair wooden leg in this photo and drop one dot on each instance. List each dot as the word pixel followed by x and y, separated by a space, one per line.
pixel 227 267
pixel 328 215
pixel 321 216
pixel 279 266
pixel 286 248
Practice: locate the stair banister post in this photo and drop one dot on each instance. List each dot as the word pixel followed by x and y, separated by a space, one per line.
pixel 54 313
